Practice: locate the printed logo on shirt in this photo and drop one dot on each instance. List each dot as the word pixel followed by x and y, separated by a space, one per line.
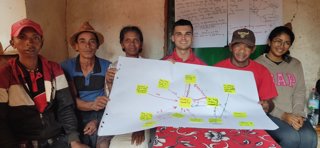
pixel 282 79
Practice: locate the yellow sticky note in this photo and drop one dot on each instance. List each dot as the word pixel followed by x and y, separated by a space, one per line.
pixel 247 123
pixel 142 89
pixel 190 79
pixel 197 120
pixel 150 124
pixel 211 101
pixel 177 115
pixel 215 120
pixel 164 84
pixel 229 88
pixel 185 102
pixel 144 116
pixel 239 114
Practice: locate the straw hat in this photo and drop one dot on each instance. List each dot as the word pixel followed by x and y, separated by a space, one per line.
pixel 85 27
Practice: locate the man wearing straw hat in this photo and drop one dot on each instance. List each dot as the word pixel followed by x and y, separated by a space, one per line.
pixel 86 76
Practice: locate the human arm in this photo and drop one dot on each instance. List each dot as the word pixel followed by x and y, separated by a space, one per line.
pixel 299 99
pixel 7 138
pixel 137 137
pixel 110 77
pixel 99 103
pixel 66 115
pixel 64 106
pixel 266 89
pixel 267 105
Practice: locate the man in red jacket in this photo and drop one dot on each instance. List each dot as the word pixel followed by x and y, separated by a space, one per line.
pixel 36 108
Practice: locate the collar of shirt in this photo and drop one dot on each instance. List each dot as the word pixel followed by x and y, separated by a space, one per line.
pixel 190 59
pixel 96 68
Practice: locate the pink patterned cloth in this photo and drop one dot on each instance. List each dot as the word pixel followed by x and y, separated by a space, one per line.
pixel 169 137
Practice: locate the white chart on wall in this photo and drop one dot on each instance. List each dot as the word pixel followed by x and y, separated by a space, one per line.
pixel 215 20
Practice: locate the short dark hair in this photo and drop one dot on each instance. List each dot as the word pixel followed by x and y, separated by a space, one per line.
pixel 182 22
pixel 135 29
pixel 278 31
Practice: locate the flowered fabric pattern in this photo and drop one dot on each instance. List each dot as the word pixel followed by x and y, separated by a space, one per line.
pixel 169 137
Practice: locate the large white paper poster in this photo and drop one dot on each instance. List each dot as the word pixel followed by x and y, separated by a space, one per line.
pixel 221 17
pixel 150 93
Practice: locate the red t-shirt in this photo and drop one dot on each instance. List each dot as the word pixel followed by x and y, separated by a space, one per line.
pixel 192 59
pixel 264 81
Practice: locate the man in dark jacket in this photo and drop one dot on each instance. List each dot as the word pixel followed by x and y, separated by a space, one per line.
pixel 36 108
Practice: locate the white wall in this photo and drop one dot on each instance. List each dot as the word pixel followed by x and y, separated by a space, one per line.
pixel 51 15
pixel 306 26
pixel 11 11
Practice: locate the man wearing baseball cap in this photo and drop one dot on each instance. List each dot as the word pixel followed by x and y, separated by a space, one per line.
pixel 242 46
pixel 86 76
pixel 36 108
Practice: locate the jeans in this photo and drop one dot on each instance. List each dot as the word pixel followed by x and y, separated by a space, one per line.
pixel 288 137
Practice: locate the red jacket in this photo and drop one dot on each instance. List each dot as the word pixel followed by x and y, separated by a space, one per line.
pixel 20 118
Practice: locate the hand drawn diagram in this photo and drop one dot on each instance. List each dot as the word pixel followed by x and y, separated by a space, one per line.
pixel 215 20
pixel 184 103
pixel 181 95
pixel 264 16
pixel 209 19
